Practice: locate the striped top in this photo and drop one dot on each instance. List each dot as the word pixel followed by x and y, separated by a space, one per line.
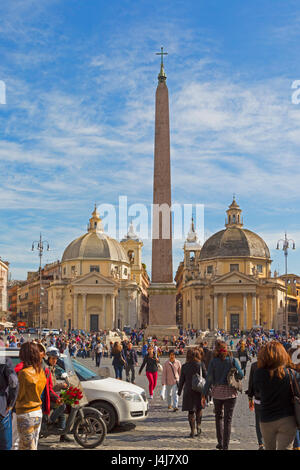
pixel 223 392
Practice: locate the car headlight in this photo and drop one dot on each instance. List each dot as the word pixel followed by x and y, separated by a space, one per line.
pixel 130 396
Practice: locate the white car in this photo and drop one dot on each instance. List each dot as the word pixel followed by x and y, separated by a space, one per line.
pixel 45 331
pixel 119 401
pixel 54 332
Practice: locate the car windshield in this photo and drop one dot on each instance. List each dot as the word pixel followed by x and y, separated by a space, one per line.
pixel 83 372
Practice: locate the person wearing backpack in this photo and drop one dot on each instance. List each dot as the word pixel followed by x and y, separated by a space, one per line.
pixel 191 401
pixel 224 395
pixel 243 356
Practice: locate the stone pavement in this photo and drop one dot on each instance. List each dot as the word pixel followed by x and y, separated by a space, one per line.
pixel 166 430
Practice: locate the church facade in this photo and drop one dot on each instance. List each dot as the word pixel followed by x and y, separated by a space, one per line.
pixel 227 282
pixel 101 284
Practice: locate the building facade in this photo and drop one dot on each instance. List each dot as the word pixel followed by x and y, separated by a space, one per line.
pixel 227 283
pixel 4 266
pixel 101 283
pixel 292 282
pixel 32 296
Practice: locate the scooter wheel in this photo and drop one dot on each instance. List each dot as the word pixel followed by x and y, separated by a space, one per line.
pixel 90 432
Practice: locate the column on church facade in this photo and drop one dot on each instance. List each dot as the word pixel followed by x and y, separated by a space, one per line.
pixel 258 310
pixel 203 317
pixel 113 311
pixel 245 312
pixel 270 314
pixel 105 323
pixel 253 309
pixel 211 313
pixel 193 309
pixel 215 325
pixel 75 311
pixel 198 311
pixel 225 312
pixel 84 314
pixel 61 308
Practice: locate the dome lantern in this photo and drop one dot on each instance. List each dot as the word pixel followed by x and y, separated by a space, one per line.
pixel 95 224
pixel 234 218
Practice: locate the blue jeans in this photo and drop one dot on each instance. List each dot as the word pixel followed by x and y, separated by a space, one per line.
pixel 297 440
pixel 6 432
pixel 172 397
pixel 118 371
pixel 58 414
pixel 98 359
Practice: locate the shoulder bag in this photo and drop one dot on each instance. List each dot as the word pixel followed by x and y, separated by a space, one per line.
pixel 296 397
pixel 233 379
pixel 198 382
pixel 177 383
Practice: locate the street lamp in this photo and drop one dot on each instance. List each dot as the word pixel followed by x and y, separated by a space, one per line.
pixel 39 246
pixel 285 248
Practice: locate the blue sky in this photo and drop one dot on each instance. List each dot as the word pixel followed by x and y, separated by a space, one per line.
pixel 78 123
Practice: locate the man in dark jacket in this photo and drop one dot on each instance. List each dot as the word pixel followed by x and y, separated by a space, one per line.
pixel 9 388
pixel 131 362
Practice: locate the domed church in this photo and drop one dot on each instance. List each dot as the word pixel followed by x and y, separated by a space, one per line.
pixel 227 282
pixel 102 283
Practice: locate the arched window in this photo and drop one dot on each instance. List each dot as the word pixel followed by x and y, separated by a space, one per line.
pixel 233 218
pixel 130 255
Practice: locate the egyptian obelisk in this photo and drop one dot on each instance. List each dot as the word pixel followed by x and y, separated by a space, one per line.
pixel 162 290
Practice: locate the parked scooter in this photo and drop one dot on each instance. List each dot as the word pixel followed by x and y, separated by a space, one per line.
pixel 84 422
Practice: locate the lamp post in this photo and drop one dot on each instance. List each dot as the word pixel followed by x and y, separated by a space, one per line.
pixel 39 246
pixel 285 248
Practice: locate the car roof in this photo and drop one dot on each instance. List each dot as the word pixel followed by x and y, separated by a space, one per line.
pixel 13 352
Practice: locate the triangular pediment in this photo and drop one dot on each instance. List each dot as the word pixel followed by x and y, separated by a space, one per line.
pixel 235 277
pixel 91 278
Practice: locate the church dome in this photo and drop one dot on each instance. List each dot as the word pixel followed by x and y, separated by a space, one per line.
pixel 234 241
pixel 95 244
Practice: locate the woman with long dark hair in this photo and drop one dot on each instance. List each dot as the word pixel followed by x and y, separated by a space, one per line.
pixel 243 356
pixel 150 361
pixel 119 360
pixel 224 395
pixel 32 381
pixel 272 380
pixel 191 401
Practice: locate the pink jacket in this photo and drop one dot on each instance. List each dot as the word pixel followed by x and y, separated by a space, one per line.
pixel 167 373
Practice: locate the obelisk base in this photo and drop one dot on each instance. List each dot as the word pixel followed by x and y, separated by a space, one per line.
pixel 162 311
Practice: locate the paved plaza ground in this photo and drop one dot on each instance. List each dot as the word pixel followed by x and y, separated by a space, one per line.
pixel 166 430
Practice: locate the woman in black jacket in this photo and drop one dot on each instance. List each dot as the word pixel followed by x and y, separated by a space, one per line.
pixel 150 361
pixel 254 404
pixel 272 381
pixel 191 401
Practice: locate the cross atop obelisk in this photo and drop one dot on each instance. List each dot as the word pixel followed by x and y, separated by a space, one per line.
pixel 162 76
